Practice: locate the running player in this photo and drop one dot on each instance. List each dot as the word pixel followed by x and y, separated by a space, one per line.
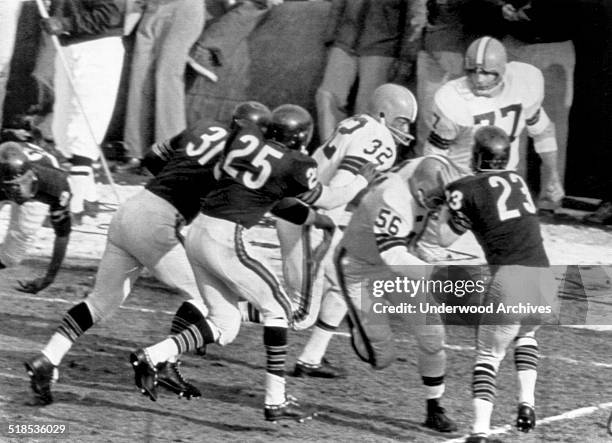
pixel 498 208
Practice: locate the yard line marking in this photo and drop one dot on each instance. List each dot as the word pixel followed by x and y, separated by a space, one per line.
pixel 575 413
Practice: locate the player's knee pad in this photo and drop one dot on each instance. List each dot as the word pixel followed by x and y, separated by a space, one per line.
pixel 526 353
pixel 333 308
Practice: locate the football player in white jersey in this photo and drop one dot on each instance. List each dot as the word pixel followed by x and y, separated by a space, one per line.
pixel 494 92
pixel 378 246
pixel 365 138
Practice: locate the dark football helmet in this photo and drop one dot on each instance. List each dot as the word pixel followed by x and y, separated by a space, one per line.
pixel 253 112
pixel 491 150
pixel 430 178
pixel 291 126
pixel 17 180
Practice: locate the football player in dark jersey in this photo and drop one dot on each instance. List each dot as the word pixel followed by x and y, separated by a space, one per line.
pixel 496 205
pixel 255 175
pixel 24 179
pixel 144 232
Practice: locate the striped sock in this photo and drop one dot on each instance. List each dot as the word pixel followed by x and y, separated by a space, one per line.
pixel 526 357
pixel 526 354
pixel 275 342
pixel 74 324
pixel 483 382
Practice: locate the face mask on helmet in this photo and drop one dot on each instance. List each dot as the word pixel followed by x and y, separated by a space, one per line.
pixel 401 131
pixel 395 107
pixel 485 66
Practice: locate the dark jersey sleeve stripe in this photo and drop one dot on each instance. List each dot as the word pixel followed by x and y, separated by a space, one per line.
pixel 352 164
pixel 384 242
pixel 534 118
pixel 438 141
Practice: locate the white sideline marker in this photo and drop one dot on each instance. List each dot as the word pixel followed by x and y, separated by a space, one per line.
pixel 575 413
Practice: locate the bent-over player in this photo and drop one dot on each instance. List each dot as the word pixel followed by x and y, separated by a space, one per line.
pixel 378 244
pixel 29 175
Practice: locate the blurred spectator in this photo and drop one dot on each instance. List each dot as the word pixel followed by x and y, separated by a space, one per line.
pixel 90 33
pixel 156 93
pixel 371 40
pixel 448 28
pixel 9 16
pixel 223 34
pixel 540 32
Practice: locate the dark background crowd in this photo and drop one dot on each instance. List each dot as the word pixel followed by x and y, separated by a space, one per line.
pixel 279 52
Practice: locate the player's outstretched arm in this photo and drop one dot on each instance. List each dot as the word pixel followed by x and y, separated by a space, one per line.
pixel 62 225
pixel 38 284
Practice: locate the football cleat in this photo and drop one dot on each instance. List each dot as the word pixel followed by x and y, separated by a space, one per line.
pixel 290 409
pixel 42 373
pixel 145 374
pixel 169 376
pixel 477 438
pixel 323 370
pixel 439 421
pixel 525 418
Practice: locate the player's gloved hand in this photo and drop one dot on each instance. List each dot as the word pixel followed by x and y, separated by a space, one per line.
pixel 33 286
pixel 52 26
pixel 369 172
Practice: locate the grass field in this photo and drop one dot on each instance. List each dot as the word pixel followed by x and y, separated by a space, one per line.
pixel 97 399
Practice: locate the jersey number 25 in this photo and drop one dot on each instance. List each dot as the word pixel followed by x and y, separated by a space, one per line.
pixel 239 162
